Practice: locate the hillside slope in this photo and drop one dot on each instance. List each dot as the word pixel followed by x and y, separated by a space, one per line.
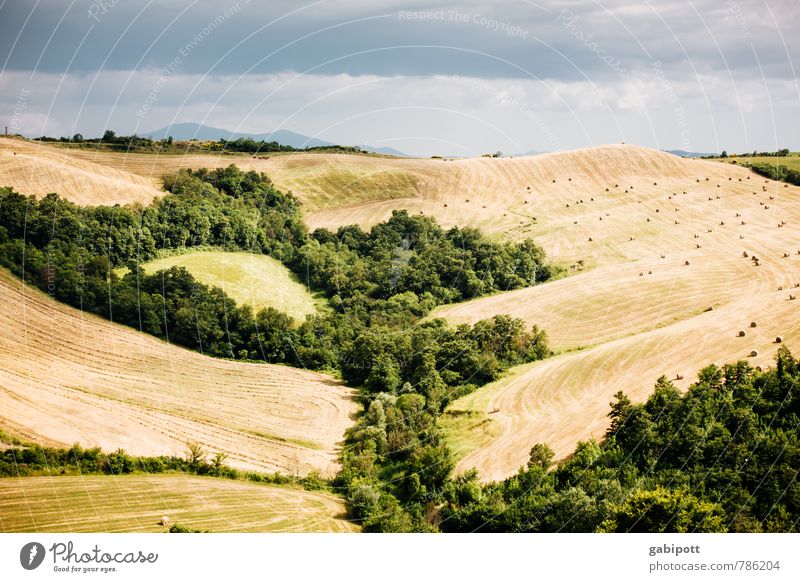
pixel 33 168
pixel 68 377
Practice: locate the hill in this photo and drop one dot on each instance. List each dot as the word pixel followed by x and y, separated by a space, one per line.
pixel 249 279
pixel 32 168
pixel 187 131
pixel 68 377
pixel 135 503
pixel 625 221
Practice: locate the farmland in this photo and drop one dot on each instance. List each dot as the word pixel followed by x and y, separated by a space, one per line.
pixel 256 280
pixel 67 376
pixel 136 503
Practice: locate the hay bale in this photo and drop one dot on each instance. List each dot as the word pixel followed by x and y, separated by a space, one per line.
pixel 742 333
pixel 753 324
pixel 590 239
pixel 649 272
pixel 792 297
pixel 710 308
pixel 641 273
pixel 754 354
pixel 780 287
pixel 445 205
pixel 779 340
pixel 686 263
pixel 165 521
pixel 744 254
pixel 662 255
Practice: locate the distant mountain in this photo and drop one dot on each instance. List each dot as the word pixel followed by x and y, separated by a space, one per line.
pixel 184 131
pixel 386 151
pixel 685 154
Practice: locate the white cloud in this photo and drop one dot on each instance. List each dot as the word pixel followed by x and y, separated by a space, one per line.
pixel 417 113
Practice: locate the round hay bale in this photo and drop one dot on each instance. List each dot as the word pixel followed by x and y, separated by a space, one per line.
pixel 686 263
pixel 754 354
pixel 710 308
pixel 753 324
pixel 742 333
pixel 744 254
pixel 649 272
pixel 445 205
pixel 641 273
pixel 792 297
pixel 780 287
pixel 590 239
pixel 165 521
pixel 779 340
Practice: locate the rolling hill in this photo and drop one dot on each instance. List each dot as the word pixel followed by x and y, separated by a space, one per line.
pixel 67 376
pixel 33 168
pixel 650 241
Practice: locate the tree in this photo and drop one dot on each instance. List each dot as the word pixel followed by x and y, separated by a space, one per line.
pixel 540 456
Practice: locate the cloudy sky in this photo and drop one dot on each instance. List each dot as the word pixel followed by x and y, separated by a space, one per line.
pixel 425 77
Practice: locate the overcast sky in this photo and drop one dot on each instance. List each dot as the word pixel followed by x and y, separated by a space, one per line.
pixel 460 78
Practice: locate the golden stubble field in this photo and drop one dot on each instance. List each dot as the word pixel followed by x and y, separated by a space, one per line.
pixel 136 503
pixel 649 240
pixel 68 376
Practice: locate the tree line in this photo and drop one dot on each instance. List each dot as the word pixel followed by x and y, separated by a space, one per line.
pixel 723 457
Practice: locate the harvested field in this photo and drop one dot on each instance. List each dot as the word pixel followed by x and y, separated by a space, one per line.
pixel 33 168
pixel 136 503
pixel 67 376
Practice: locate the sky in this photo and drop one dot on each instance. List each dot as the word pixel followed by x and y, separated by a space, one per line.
pixel 424 77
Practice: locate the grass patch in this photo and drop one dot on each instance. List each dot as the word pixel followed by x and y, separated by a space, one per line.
pixel 250 279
